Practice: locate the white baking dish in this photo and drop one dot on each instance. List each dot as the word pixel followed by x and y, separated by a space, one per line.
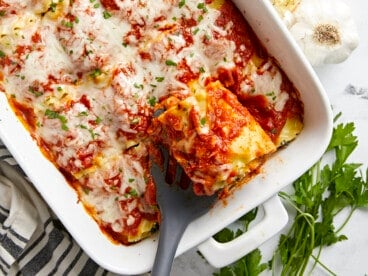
pixel 284 167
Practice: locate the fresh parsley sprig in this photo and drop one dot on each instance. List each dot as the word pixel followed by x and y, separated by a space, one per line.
pixel 321 193
pixel 250 264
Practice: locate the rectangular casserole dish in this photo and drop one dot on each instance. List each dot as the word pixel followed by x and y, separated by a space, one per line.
pixel 280 170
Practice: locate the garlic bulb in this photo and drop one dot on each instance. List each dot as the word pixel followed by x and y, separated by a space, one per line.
pixel 324 29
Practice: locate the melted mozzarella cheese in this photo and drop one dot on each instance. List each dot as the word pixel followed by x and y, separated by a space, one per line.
pixel 266 81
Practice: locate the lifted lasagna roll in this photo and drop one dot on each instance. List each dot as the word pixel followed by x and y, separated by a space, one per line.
pixel 214 138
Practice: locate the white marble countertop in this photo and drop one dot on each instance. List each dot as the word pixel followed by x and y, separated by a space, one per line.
pixel 347 87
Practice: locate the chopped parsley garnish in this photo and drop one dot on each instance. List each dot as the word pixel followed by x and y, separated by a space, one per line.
pixel 2 54
pixel 132 192
pixel 181 3
pixel 53 6
pixel 22 77
pixel 90 130
pixel 272 95
pixel 86 190
pixel 106 14
pixel 203 121
pixel 93 134
pixel 98 120
pixel 34 91
pixel 202 6
pixel 55 115
pixel 70 24
pixel 159 79
pixel 95 73
pixel 152 101
pixel 52 114
pixel 139 86
pixel 67 24
pixel 83 113
pixel 170 62
pixel 83 127
pixel 135 121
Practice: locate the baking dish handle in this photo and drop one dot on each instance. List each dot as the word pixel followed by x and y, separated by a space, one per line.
pixel 222 254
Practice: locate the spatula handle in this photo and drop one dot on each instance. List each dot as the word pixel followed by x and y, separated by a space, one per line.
pixel 169 238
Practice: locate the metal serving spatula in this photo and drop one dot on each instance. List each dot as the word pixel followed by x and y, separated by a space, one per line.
pixel 178 208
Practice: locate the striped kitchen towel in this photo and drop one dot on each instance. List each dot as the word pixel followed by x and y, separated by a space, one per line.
pixel 32 240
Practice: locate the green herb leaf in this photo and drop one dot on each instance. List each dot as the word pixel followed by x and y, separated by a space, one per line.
pixel 2 54
pixel 86 190
pixel 159 79
pixel 225 235
pixel 83 113
pixel 249 264
pixel 53 6
pixel 170 62
pixel 55 115
pixel 51 114
pixel 133 192
pixel 181 3
pixel 98 120
pixel 152 101
pixel 138 85
pixel 319 195
pixel 106 14
pixel 67 24
pixel 203 121
pixel 95 73
pixel 34 91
